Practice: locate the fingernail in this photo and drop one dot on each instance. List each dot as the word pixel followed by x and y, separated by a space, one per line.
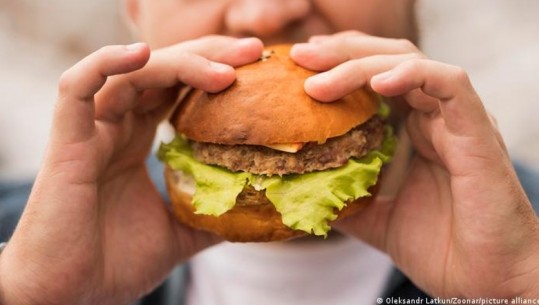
pixel 318 88
pixel 219 67
pixel 135 46
pixel 302 49
pixel 247 40
pixel 314 81
pixel 304 46
pixel 382 77
pixel 319 78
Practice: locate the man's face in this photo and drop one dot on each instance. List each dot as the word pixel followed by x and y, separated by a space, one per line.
pixel 164 22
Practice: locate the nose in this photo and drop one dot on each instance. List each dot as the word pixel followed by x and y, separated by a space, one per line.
pixel 264 18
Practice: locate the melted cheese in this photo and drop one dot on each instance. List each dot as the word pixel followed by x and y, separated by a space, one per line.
pixel 287 147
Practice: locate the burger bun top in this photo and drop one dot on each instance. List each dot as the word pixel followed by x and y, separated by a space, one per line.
pixel 267 104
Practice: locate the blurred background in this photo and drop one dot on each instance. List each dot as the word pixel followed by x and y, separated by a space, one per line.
pixel 496 41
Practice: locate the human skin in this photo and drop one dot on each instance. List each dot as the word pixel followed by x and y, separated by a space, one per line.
pixel 96 231
pixel 461 225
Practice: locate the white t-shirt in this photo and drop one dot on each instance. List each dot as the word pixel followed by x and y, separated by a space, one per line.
pixel 340 271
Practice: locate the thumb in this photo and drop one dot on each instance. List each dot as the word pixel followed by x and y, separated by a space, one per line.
pixel 370 224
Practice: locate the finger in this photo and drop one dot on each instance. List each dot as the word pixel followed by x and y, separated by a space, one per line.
pixel 190 241
pixel 422 125
pixel 498 134
pixel 179 65
pixel 318 38
pixel 322 38
pixel 370 224
pixel 125 92
pixel 228 50
pixel 420 135
pixel 328 53
pixel 153 100
pixel 460 106
pixel 351 75
pixel 417 122
pixel 214 55
pixel 74 112
pixel 421 101
pixel 186 68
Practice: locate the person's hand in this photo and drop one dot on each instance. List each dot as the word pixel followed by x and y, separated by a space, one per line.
pixel 461 224
pixel 95 229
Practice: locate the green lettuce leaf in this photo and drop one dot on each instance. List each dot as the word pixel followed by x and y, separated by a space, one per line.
pixel 306 202
pixel 216 188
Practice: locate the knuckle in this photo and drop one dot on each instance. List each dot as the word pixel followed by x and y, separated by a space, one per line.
pixel 406 45
pixel 66 81
pixel 354 33
pixel 415 56
pixel 104 49
pixel 414 64
pixel 360 73
pixel 102 53
pixel 493 120
pixel 460 75
pixel 213 39
pixel 71 77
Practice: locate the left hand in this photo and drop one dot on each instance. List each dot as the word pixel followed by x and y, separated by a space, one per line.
pixel 95 230
pixel 460 224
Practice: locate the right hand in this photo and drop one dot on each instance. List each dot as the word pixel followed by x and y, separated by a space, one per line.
pixel 460 224
pixel 95 230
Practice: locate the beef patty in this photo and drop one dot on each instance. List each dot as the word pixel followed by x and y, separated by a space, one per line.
pixel 335 152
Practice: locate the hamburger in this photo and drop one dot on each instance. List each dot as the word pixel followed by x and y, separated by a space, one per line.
pixel 263 161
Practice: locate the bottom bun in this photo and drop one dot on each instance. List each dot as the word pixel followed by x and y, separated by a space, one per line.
pixel 252 219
